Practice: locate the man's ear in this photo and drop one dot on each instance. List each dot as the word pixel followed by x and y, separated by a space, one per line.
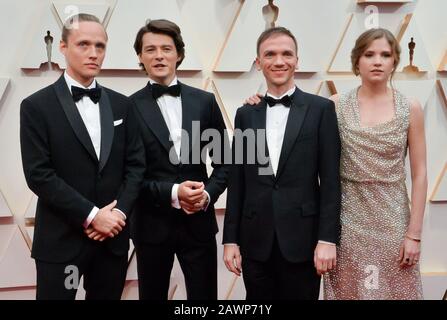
pixel 62 47
pixel 258 64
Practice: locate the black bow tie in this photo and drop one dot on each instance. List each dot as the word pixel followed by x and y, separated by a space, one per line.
pixel 286 101
pixel 94 94
pixel 159 90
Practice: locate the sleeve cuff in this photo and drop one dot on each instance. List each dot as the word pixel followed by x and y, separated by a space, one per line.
pixel 326 242
pixel 174 197
pixel 124 215
pixel 208 202
pixel 90 217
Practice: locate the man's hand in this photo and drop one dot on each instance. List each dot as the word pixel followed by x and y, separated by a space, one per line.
pixel 108 222
pixel 254 99
pixel 189 209
pixel 203 202
pixel 232 258
pixel 94 235
pixel 325 257
pixel 189 193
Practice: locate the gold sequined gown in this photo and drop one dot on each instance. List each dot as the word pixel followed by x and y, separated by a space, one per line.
pixel 375 208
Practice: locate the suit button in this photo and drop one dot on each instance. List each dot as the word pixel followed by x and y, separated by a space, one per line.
pixel 99 176
pixel 276 187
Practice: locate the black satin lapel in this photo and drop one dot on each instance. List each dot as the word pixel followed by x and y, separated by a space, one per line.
pixel 107 128
pixel 259 126
pixel 295 121
pixel 73 116
pixel 191 118
pixel 153 118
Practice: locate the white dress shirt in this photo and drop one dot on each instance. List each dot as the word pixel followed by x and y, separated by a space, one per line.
pixel 275 127
pixel 171 109
pixel 90 115
pixel 89 112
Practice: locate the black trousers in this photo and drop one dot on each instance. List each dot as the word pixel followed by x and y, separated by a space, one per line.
pixel 279 279
pixel 198 261
pixel 104 275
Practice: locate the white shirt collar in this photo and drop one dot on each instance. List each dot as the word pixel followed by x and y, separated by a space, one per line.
pixel 288 93
pixel 173 82
pixel 72 82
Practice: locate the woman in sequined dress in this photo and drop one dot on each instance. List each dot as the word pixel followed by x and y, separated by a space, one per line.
pixel 380 238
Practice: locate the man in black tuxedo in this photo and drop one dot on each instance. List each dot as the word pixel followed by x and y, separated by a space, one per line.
pixel 83 157
pixel 174 214
pixel 282 219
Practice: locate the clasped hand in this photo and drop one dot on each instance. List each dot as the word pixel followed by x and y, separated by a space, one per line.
pixel 192 196
pixel 106 224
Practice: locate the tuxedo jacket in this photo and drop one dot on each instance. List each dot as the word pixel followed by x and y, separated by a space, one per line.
pixel 301 203
pixel 62 169
pixel 154 217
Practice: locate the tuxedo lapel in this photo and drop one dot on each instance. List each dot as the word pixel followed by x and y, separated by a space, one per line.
pixel 190 113
pixel 295 121
pixel 107 129
pixel 73 116
pixel 259 127
pixel 153 117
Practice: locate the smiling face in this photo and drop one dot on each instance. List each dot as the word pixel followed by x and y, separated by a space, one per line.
pixel 159 57
pixel 278 60
pixel 84 51
pixel 377 62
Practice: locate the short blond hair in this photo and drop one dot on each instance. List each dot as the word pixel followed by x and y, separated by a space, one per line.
pixel 80 17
